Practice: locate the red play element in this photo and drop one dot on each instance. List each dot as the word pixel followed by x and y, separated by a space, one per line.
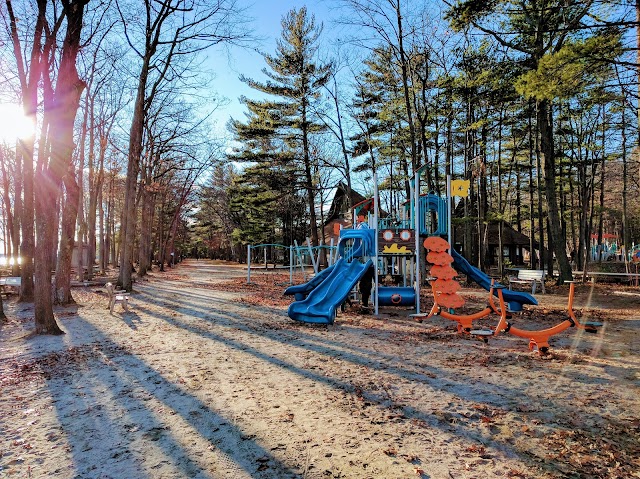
pixel 445 296
pixel 443 272
pixel 446 286
pixel 365 206
pixel 452 300
pixel 435 243
pixel 396 298
pixel 439 257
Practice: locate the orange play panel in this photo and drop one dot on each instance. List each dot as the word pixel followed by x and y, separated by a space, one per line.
pixel 439 257
pixel 435 243
pixel 446 286
pixel 443 272
pixel 452 300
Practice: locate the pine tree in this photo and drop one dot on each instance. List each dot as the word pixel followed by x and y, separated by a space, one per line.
pixel 279 131
pixel 534 32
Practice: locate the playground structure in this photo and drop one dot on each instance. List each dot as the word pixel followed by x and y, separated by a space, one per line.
pixel 445 295
pixel 390 245
pixel 393 246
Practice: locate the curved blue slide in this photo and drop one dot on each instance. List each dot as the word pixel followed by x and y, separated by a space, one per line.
pixel 515 298
pixel 321 304
pixel 300 291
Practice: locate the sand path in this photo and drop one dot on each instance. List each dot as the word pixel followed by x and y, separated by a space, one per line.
pixel 194 383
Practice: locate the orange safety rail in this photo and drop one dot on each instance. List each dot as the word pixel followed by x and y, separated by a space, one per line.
pixel 465 321
pixel 588 327
pixel 467 317
pixel 540 338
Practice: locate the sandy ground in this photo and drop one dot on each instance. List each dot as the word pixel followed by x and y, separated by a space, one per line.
pixel 207 377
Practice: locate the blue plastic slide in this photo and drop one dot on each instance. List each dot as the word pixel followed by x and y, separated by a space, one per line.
pixel 515 298
pixel 321 304
pixel 300 291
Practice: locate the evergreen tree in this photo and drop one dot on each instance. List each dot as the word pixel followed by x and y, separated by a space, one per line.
pixel 379 110
pixel 534 31
pixel 278 132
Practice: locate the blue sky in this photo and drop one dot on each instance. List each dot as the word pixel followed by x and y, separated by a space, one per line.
pixel 267 16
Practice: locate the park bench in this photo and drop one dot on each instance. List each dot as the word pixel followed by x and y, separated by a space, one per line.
pixel 10 283
pixel 117 296
pixel 528 276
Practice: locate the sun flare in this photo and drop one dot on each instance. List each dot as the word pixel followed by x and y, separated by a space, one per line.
pixel 13 123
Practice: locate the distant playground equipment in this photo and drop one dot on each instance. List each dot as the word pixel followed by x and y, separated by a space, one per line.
pixel 307 255
pixel 288 257
pixel 445 296
pixel 392 245
pixel 269 253
pixel 606 249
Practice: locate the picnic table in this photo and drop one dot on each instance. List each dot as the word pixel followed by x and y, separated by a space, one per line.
pixel 594 275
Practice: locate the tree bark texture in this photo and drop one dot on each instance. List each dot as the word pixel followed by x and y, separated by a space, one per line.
pixel 128 224
pixel 68 91
pixel 62 292
pixel 545 127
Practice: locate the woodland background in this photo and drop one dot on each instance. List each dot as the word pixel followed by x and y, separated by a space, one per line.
pixel 536 102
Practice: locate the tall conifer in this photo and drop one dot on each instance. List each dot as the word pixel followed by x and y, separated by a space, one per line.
pixel 278 131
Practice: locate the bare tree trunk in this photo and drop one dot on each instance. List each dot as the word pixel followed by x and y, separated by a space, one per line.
pixel 541 247
pixel 80 214
pixel 96 180
pixel 24 208
pixel 146 226
pixel 626 233
pixel 27 250
pixel 602 187
pixel 6 199
pixel 545 126
pixel 313 222
pixel 102 249
pixel 69 88
pixel 62 293
pixel 407 99
pixel 18 216
pixel 128 224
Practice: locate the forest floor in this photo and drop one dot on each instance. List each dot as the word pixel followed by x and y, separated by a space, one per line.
pixel 207 377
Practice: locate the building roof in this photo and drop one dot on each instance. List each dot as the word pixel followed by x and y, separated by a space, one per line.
pixel 339 203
